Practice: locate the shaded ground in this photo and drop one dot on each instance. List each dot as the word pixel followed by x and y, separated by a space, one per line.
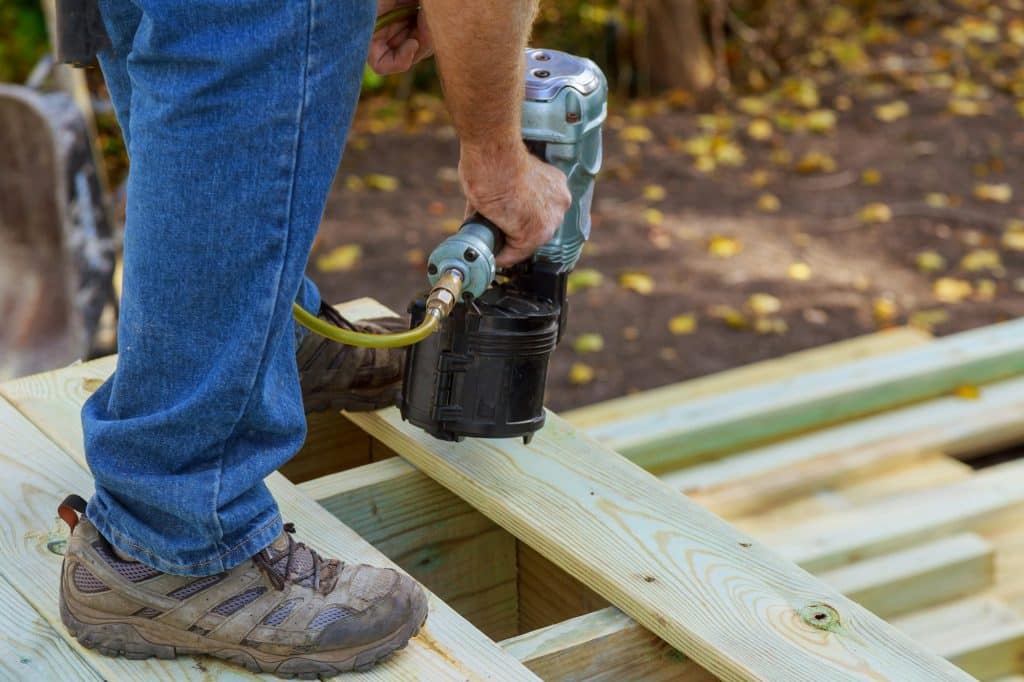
pixel 942 158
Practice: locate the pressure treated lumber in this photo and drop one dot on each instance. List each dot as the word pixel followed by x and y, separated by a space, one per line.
pixel 604 646
pixel 30 649
pixel 917 577
pixel 751 480
pixel 730 604
pixel 451 548
pixel 981 635
pixel 832 541
pixel 448 647
pixel 618 410
pixel 687 432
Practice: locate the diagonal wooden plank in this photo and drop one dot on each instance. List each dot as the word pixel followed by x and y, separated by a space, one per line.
pixel 32 650
pixel 676 434
pixel 448 647
pixel 732 605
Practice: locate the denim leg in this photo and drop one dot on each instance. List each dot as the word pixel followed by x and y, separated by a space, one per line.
pixel 237 113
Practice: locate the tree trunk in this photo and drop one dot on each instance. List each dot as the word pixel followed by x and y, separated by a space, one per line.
pixel 671 47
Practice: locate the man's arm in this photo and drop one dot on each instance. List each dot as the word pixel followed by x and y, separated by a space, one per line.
pixel 479 49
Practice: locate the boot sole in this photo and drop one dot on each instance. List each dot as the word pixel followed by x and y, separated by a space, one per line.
pixel 140 639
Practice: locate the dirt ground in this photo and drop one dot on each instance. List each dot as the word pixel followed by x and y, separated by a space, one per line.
pixel 894 186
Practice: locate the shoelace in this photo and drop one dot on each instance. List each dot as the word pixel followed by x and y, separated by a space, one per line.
pixel 263 560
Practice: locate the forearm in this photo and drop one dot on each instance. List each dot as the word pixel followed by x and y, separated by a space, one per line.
pixel 479 49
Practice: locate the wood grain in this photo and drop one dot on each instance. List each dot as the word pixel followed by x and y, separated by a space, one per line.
pixel 32 650
pixel 692 430
pixel 748 482
pixel 449 647
pixel 454 550
pixel 730 604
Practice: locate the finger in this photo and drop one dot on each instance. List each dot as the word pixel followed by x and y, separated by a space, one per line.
pixel 510 255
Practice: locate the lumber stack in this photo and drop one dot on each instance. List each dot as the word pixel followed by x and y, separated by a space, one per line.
pixel 812 517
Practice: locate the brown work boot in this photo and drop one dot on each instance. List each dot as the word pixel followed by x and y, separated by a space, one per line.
pixel 339 377
pixel 285 611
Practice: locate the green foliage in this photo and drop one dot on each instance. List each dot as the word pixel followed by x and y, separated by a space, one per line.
pixel 22 38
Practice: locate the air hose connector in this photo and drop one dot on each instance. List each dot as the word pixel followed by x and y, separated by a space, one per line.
pixel 445 293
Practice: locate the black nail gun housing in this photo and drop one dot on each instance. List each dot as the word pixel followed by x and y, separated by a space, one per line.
pixel 483 374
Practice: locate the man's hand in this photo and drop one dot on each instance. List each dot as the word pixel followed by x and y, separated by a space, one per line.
pixel 524 196
pixel 396 47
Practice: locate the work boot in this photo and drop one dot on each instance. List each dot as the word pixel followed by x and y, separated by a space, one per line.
pixel 286 611
pixel 335 376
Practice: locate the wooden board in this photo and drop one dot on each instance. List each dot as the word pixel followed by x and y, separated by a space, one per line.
pixel 686 432
pixel 455 551
pixel 447 648
pixel 750 481
pixel 724 600
pixel 621 410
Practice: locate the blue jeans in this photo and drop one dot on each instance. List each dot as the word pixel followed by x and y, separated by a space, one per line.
pixel 234 113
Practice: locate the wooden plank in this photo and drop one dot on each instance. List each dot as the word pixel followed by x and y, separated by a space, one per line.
pixel 609 645
pixel 917 577
pixel 981 635
pixel 32 650
pixel 448 647
pixel 547 594
pixel 451 548
pixel 687 432
pixel 849 350
pixel 604 646
pixel 750 481
pixel 729 603
pixel 37 476
pixel 894 523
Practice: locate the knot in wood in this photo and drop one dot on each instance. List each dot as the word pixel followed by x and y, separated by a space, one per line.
pixel 821 616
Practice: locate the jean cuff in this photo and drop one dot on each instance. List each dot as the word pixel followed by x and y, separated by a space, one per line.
pixel 221 559
pixel 309 300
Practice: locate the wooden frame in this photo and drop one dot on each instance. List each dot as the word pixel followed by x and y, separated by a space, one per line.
pixel 560 628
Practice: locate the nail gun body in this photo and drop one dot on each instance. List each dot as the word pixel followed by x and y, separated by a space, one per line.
pixel 483 373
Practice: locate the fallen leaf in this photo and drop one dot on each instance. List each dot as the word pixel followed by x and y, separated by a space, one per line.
pixel 930 261
pixel 451 225
pixel 752 106
pixel 724 247
pixel 815 316
pixel 340 259
pixel 999 193
pixel 887 113
pixel 654 193
pixel 801 272
pixel 870 177
pixel 875 213
pixel 981 259
pixel 760 129
pixel 984 290
pixel 653 216
pixel 580 374
pixel 928 319
pixel 770 325
pixel 416 257
pixel 681 325
pixel 815 162
pixel 354 183
pixel 588 343
pixel 768 203
pixel 950 290
pixel 966 107
pixel 759 178
pixel 583 278
pixel 630 333
pixel 967 392
pixel 820 121
pixel 1013 237
pixel 638 282
pixel 382 183
pixel 884 310
pixel 732 317
pixel 90 385
pixel 636 133
pixel 937 200
pixel 764 304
